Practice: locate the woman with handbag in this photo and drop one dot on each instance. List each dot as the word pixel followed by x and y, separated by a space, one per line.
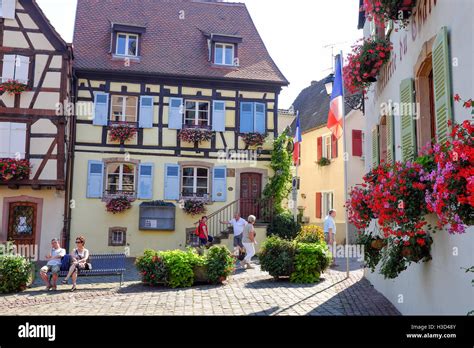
pixel 203 233
pixel 79 258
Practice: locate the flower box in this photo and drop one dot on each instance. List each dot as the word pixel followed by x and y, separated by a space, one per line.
pixel 13 87
pixel 253 139
pixel 119 204
pixel 323 162
pixel 194 207
pixel 195 135
pixel 14 170
pixel 122 132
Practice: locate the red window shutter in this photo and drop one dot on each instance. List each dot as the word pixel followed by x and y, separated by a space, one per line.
pixel 333 146
pixel 320 148
pixel 356 142
pixel 319 197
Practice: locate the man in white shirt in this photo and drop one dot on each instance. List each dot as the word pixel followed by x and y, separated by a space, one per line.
pixel 330 227
pixel 238 225
pixel 53 265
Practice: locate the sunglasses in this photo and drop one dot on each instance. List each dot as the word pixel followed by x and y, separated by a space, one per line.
pixel 78 242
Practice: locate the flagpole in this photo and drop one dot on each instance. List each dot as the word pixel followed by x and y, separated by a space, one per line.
pixel 295 207
pixel 344 131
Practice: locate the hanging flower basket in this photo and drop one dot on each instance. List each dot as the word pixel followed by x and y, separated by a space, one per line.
pixel 194 207
pixel 195 135
pixel 382 11
pixel 13 87
pixel 14 170
pixel 122 132
pixel 119 205
pixel 365 62
pixel 253 139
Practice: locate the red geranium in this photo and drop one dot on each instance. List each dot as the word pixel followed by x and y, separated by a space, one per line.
pixel 13 87
pixel 12 169
pixel 122 132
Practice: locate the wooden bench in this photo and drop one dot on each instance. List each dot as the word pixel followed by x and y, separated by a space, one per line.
pixel 102 265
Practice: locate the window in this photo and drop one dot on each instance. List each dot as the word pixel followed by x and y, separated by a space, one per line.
pixel 327 146
pixel 252 117
pixel 117 236
pixel 195 182
pixel 16 67
pixel 12 140
pixel 120 179
pixel 196 113
pixel 127 45
pixel 124 109
pixel 328 202
pixel 224 54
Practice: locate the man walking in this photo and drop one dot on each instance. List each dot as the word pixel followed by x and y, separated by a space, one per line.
pixel 53 265
pixel 330 230
pixel 238 225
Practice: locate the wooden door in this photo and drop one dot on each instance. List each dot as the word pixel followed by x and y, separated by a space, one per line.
pixel 22 223
pixel 250 194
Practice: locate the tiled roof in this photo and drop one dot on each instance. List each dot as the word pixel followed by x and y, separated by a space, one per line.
pixel 170 45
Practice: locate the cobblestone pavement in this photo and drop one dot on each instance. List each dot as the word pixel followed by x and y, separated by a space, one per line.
pixel 249 292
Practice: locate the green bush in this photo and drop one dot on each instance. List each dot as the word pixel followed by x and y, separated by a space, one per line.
pixel 180 265
pixel 310 234
pixel 283 226
pixel 220 264
pixel 310 260
pixel 15 273
pixel 276 257
pixel 152 268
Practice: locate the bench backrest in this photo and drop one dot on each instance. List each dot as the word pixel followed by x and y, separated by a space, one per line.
pixel 98 261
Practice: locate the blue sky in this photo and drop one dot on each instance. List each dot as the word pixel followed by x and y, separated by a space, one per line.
pixel 294 31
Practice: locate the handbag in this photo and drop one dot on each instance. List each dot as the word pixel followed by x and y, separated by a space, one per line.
pixel 88 266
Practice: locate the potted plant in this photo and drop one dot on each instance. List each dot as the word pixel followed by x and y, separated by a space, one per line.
pixel 195 135
pixel 382 11
pixel 323 162
pixel 194 206
pixel 253 139
pixel 13 87
pixel 122 132
pixel 14 170
pixel 365 62
pixel 119 204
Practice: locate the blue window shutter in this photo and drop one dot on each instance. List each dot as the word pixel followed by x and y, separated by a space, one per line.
pixel 175 116
pixel 246 117
pixel 218 116
pixel 101 108
pixel 146 112
pixel 172 181
pixel 219 184
pixel 145 181
pixel 260 118
pixel 95 179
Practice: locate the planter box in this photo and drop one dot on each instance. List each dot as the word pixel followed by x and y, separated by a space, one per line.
pixel 155 217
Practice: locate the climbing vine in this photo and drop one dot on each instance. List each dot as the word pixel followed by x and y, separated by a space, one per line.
pixel 279 186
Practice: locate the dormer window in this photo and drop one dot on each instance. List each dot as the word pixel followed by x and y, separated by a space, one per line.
pixel 224 54
pixel 127 45
pixel 126 41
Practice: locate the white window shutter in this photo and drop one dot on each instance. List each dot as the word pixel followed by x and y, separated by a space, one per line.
pixel 4 139
pixel 17 140
pixel 8 71
pixel 146 112
pixel 175 116
pixel 8 9
pixel 101 109
pixel 218 116
pixel 22 69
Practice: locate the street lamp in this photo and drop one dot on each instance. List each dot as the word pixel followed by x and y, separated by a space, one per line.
pixel 328 83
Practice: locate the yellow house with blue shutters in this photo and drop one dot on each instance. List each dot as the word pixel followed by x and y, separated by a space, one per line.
pixel 168 78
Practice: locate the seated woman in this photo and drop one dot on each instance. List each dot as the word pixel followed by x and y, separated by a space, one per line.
pixel 79 258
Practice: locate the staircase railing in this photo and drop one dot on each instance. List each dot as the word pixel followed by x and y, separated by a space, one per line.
pixel 214 219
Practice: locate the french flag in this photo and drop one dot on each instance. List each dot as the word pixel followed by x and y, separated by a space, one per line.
pixel 335 117
pixel 297 140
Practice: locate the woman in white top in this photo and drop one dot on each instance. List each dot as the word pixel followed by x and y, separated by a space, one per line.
pixel 79 258
pixel 248 240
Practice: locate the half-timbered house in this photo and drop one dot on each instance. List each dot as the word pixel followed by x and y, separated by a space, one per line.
pixel 169 69
pixel 35 67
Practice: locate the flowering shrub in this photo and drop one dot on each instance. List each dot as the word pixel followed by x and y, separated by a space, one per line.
pixel 365 62
pixel 13 87
pixel 194 207
pixel 359 212
pixel 310 234
pixel 118 205
pixel 122 132
pixel 12 169
pixel 382 11
pixel 451 197
pixel 253 139
pixel 195 135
